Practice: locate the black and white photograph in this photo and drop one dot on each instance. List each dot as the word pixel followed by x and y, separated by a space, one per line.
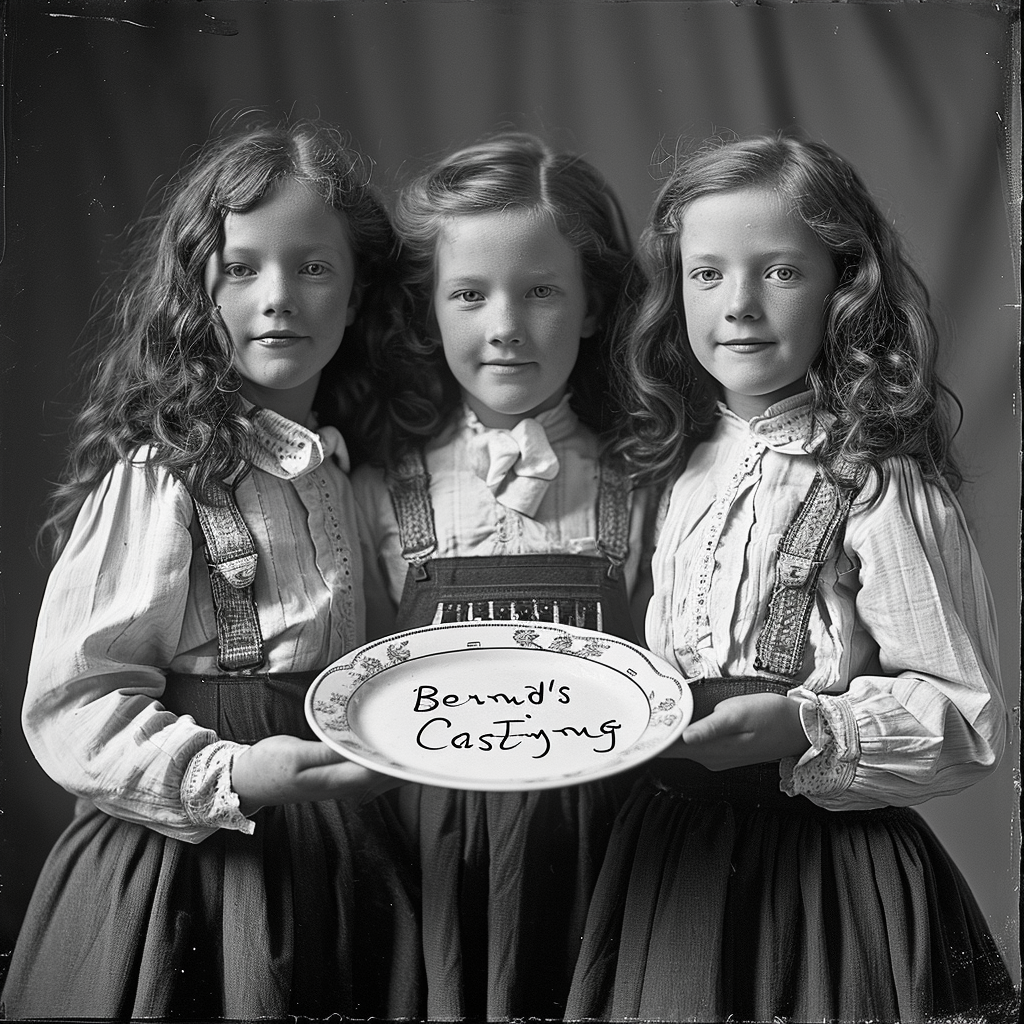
pixel 510 510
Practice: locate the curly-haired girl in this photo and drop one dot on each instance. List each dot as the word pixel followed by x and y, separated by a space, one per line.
pixel 497 502
pixel 209 566
pixel 815 581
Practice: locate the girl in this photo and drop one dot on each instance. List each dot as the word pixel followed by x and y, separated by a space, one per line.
pixel 496 487
pixel 815 580
pixel 209 566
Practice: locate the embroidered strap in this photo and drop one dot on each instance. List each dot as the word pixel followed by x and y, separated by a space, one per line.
pixel 802 552
pixel 409 487
pixel 613 515
pixel 231 557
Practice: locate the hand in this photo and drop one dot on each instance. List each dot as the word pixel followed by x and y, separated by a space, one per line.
pixel 289 770
pixel 743 730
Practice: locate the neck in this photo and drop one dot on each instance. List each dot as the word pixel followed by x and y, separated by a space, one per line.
pixel 749 406
pixel 293 403
pixel 495 419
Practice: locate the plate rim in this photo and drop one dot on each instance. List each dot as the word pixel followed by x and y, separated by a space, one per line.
pixel 386 765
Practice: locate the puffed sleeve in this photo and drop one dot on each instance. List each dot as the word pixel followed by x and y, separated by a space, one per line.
pixel 928 718
pixel 380 609
pixel 108 629
pixel 381 525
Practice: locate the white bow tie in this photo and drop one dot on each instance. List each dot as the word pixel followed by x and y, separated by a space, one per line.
pixel 517 464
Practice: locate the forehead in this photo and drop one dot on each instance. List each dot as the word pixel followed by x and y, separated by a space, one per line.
pixel 508 238
pixel 291 214
pixel 746 221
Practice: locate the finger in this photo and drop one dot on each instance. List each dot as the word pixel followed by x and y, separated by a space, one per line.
pixel 713 727
pixel 339 779
pixel 314 754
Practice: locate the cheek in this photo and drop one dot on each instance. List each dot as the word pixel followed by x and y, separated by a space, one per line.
pixel 233 318
pixel 332 309
pixel 454 335
pixel 696 310
pixel 807 317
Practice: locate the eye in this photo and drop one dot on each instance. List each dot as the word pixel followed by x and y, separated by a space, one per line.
pixel 705 275
pixel 315 269
pixel 542 291
pixel 783 274
pixel 237 270
pixel 468 295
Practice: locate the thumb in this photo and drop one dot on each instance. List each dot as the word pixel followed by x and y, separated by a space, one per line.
pixel 711 727
pixel 315 754
pixel 702 731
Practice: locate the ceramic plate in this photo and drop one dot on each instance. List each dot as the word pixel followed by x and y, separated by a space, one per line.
pixel 499 705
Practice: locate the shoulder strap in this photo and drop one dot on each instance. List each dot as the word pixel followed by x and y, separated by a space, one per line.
pixel 409 488
pixel 231 557
pixel 613 503
pixel 802 552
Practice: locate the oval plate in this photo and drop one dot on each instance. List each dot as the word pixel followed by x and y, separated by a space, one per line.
pixel 499 705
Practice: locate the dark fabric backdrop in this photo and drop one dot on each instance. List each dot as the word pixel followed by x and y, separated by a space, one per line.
pixel 102 98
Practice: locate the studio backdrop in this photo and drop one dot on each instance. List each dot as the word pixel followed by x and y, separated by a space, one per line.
pixel 103 98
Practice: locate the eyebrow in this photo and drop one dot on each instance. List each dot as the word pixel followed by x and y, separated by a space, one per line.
pixel 244 249
pixel 773 254
pixel 479 279
pixel 460 279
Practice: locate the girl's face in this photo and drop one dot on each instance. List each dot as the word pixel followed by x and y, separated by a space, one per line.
pixel 283 284
pixel 511 306
pixel 755 282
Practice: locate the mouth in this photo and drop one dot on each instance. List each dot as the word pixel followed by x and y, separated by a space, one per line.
pixel 746 344
pixel 506 367
pixel 278 338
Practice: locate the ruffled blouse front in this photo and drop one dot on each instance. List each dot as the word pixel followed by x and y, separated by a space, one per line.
pixel 899 685
pixel 469 516
pixel 129 601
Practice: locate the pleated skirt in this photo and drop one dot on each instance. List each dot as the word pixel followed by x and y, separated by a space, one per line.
pixel 721 898
pixel 315 914
pixel 507 880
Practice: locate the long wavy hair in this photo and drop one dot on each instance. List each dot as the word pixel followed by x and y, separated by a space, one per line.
pixel 876 393
pixel 512 171
pixel 163 377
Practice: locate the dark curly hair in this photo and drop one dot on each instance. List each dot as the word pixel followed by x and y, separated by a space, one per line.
pixel 163 373
pixel 874 382
pixel 512 171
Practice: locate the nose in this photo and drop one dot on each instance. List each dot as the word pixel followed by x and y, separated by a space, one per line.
pixel 504 326
pixel 744 301
pixel 277 298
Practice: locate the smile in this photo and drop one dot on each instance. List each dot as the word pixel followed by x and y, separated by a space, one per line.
pixel 281 339
pixel 506 367
pixel 746 345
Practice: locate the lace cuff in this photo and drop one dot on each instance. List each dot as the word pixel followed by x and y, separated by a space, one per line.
pixel 829 765
pixel 206 793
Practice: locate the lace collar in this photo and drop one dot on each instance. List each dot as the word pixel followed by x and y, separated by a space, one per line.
pixel 288 450
pixel 784 427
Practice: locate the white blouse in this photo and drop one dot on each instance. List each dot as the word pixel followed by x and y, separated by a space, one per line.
pixel 129 600
pixel 469 518
pixel 900 686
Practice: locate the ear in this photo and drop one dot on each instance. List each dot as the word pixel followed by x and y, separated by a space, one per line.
pixel 354 300
pixel 589 325
pixel 210 274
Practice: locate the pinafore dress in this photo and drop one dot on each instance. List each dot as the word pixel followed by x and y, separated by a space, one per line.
pixel 314 914
pixel 507 877
pixel 723 898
